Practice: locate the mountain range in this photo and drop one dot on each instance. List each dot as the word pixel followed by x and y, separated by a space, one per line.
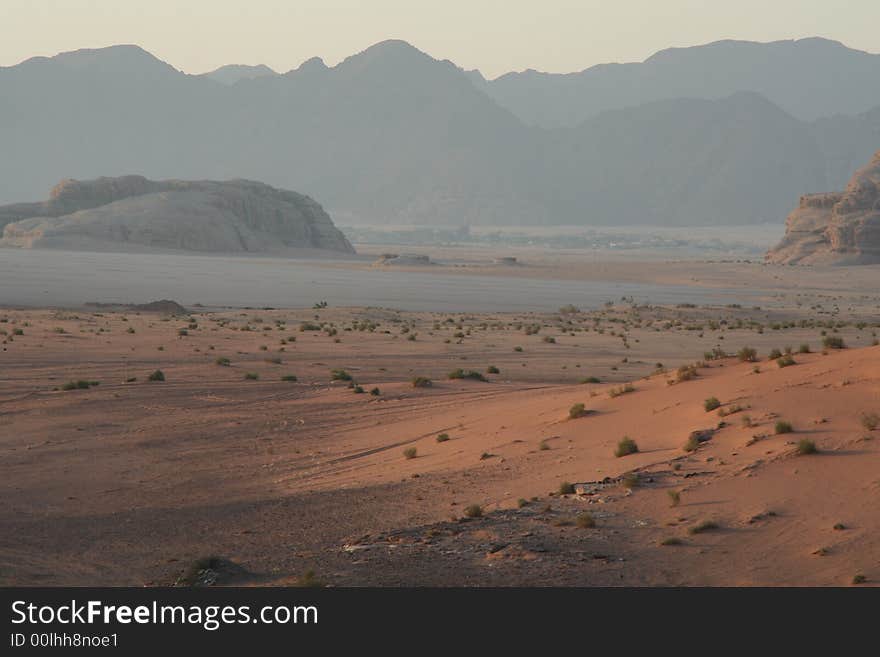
pixel 728 133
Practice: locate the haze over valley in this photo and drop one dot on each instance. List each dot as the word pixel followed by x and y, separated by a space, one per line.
pixel 730 133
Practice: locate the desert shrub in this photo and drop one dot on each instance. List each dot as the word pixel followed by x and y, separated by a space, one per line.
pixel 78 385
pixel 410 452
pixel 686 373
pixel 711 404
pixel 692 444
pixel 518 349
pixel 804 349
pixel 870 421
pixel 466 374
pixel 339 375
pixel 783 426
pixel 223 362
pixel 833 342
pixel 473 511
pixel 774 354
pixel 375 392
pixel 565 488
pixel 705 526
pixel 625 447
pixel 622 390
pixel 747 354
pixel 785 360
pixel 359 390
pixel 290 378
pixel 251 376
pixel 521 502
pixel 543 446
pixel 859 579
pixel 576 411
pixel 443 437
pixel 806 446
pixel 672 540
pixel 182 332
pixel 630 480
pixel 492 370
pixel 549 339
pixel 158 375
pixel 422 382
pixel 591 379
pixel 674 497
pixel 585 520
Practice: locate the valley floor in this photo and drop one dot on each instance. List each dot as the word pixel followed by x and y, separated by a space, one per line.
pixel 131 481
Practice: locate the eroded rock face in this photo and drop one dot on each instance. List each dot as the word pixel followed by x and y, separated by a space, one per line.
pixel 141 214
pixel 838 227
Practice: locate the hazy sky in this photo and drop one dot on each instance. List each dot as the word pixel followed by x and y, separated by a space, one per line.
pixel 495 36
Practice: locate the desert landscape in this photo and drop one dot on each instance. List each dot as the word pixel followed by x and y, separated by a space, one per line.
pixel 370 446
pixel 343 312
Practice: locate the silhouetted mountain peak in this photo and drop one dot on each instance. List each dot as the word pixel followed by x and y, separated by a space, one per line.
pixel 392 56
pixel 128 59
pixel 232 73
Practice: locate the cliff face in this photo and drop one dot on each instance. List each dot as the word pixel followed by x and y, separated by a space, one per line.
pixel 835 228
pixel 206 216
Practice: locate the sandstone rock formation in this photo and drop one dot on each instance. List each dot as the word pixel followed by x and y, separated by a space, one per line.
pixel 134 213
pixel 837 227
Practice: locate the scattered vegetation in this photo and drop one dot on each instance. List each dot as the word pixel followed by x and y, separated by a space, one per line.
pixel 422 382
pixel 747 355
pixel 783 426
pixel 585 520
pixel 576 411
pixel 79 385
pixel 833 342
pixel 158 375
pixel 806 446
pixel 466 374
pixel 443 437
pixel 622 390
pixel 625 447
pixel 410 452
pixel 711 404
pixel 705 526
pixel 473 511
pixel 870 421
pixel 340 375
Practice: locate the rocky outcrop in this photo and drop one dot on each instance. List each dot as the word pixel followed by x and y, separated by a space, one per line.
pixel 132 212
pixel 835 228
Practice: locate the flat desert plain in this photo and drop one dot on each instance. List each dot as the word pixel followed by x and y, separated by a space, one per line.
pixel 350 446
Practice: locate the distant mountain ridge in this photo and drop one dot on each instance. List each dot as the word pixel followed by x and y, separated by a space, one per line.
pixel 392 135
pixel 808 78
